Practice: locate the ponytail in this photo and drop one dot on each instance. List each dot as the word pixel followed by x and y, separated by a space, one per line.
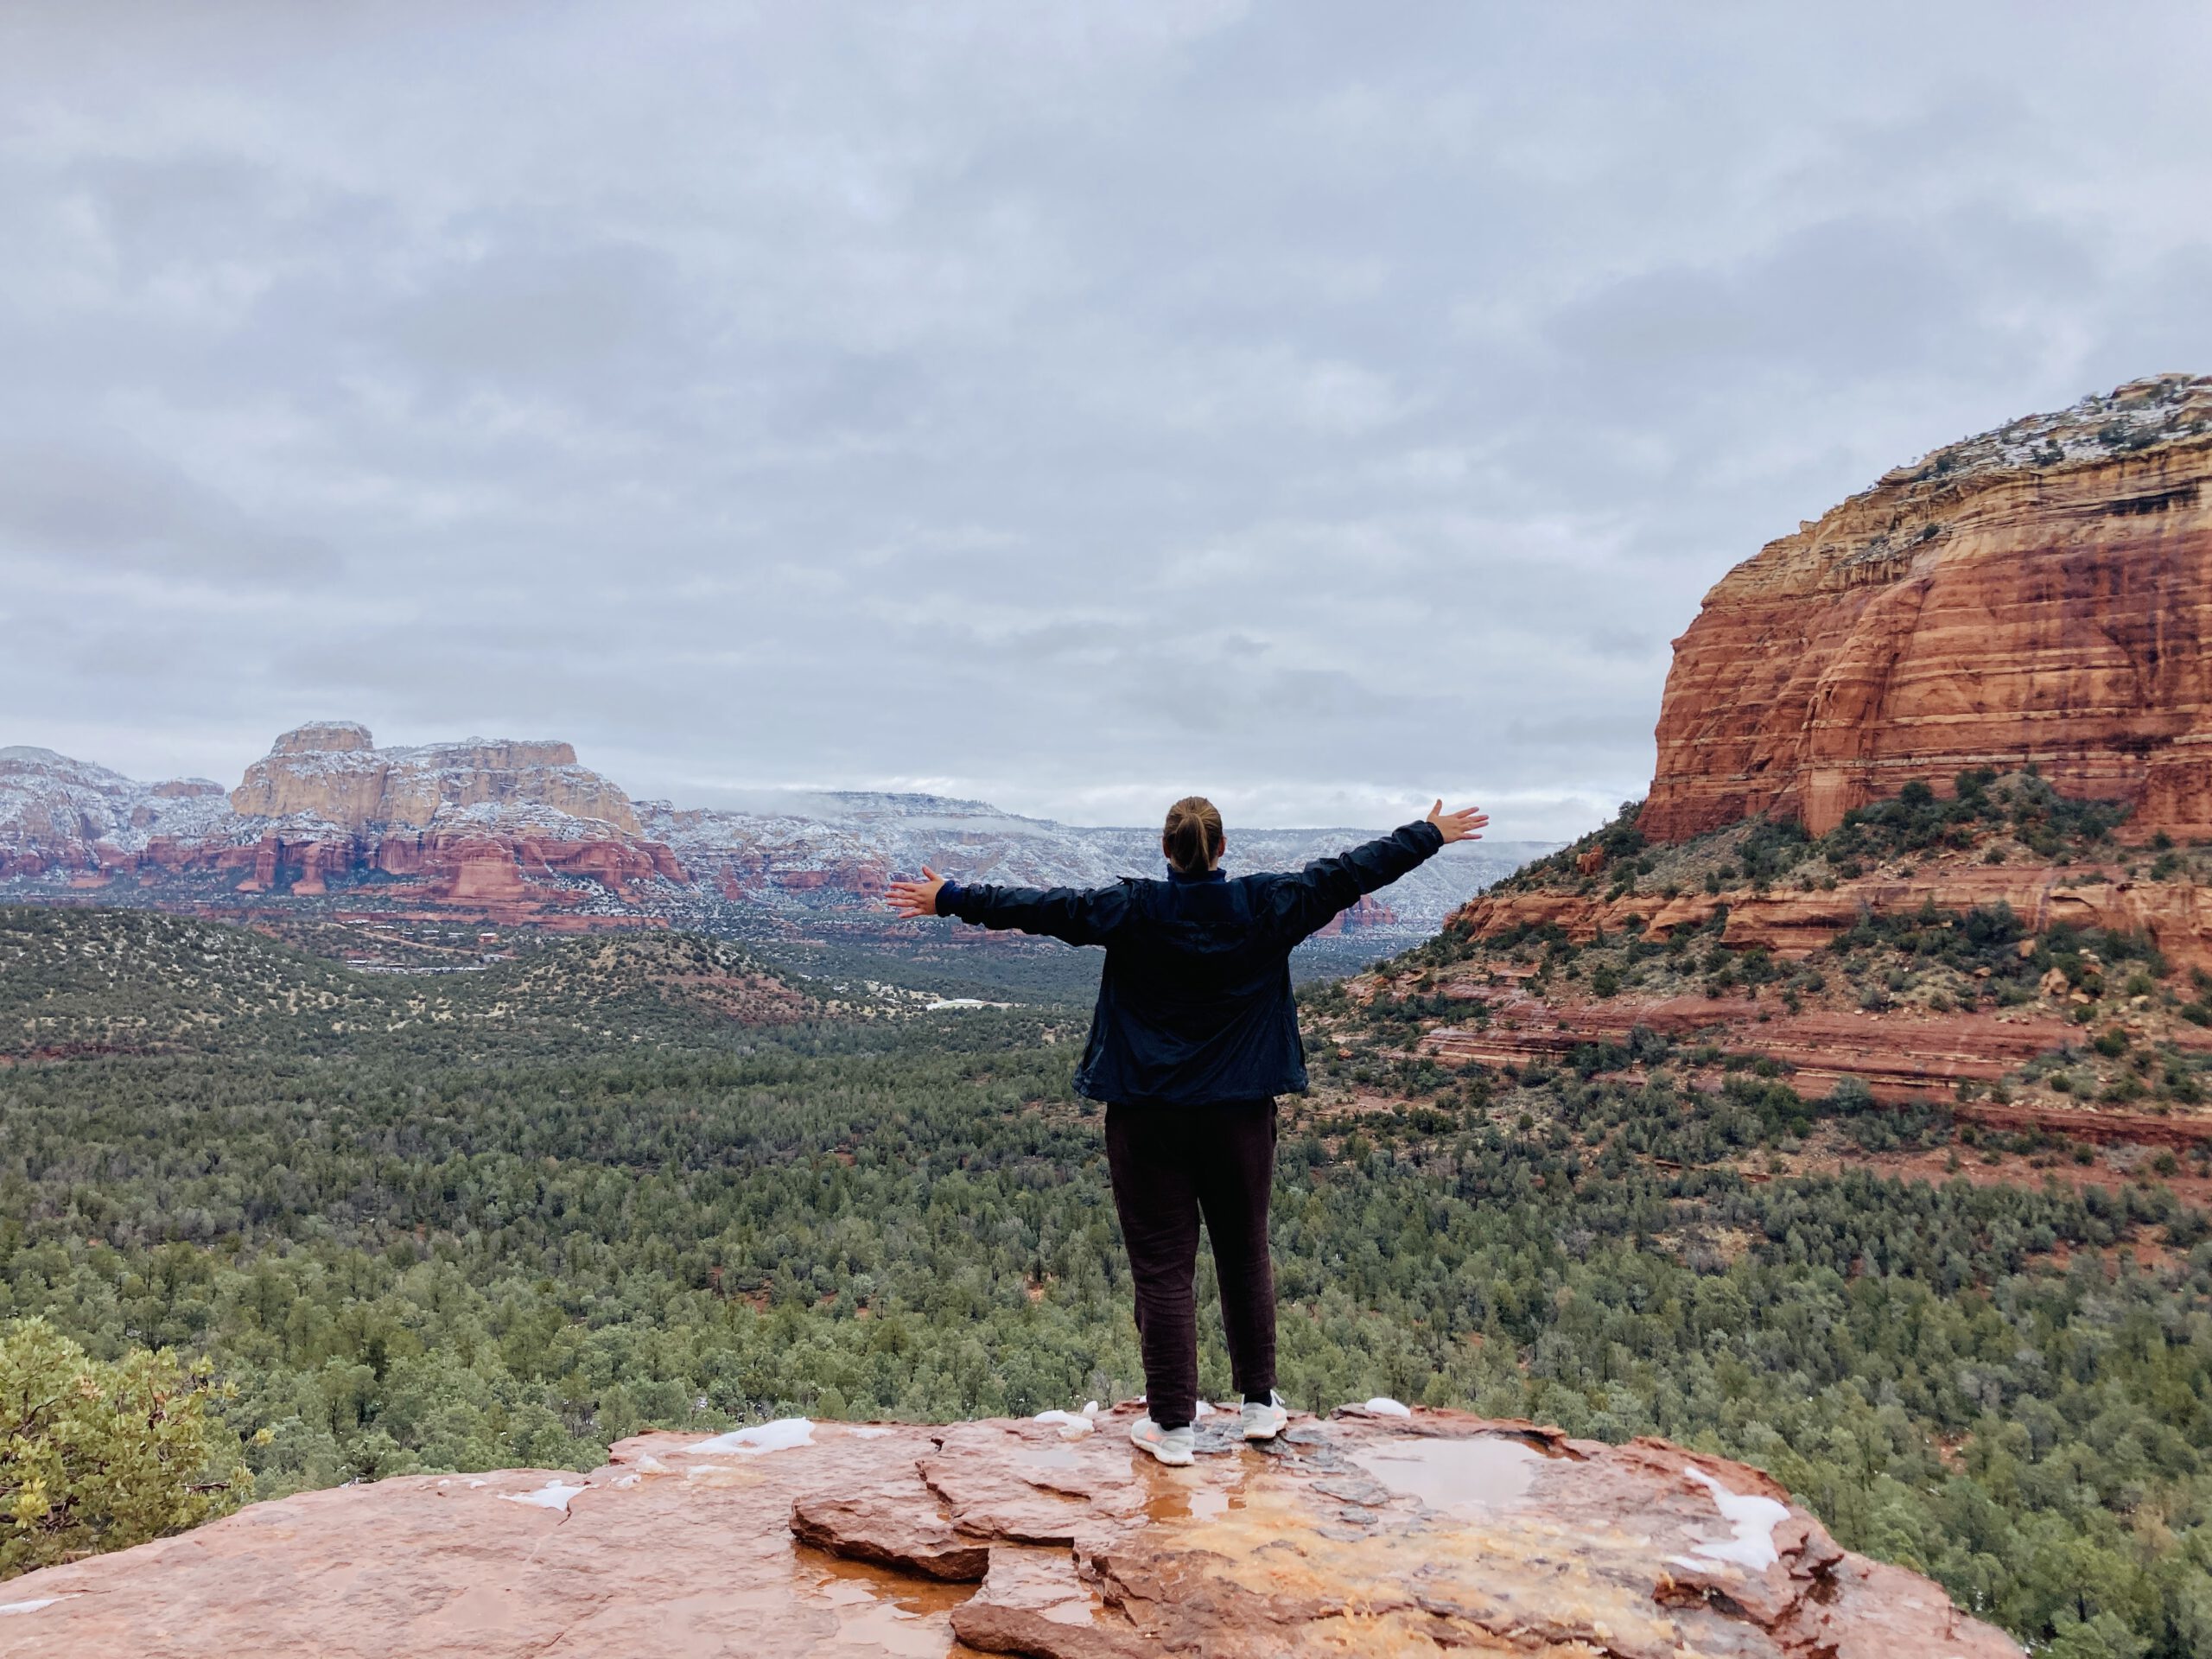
pixel 1193 838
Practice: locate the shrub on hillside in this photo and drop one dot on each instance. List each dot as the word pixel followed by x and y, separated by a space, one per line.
pixel 2026 806
pixel 96 1457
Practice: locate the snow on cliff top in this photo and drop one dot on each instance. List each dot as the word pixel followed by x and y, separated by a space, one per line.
pixel 2143 414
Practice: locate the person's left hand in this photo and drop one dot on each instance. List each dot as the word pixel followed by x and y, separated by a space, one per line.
pixel 1466 825
pixel 911 899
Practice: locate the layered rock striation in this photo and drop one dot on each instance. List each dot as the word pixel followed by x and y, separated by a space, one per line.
pixel 1377 1531
pixel 2175 911
pixel 2040 594
pixel 334 773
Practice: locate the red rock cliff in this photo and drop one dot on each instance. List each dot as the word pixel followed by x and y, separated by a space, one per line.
pixel 2042 593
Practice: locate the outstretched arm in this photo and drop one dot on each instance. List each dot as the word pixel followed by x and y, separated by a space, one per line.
pixel 1303 902
pixel 1078 915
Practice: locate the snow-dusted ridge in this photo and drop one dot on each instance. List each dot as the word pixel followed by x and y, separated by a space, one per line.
pixel 64 820
pixel 2145 414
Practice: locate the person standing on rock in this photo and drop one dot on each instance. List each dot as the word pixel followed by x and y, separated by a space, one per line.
pixel 1194 1035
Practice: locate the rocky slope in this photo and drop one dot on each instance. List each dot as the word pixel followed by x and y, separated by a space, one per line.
pixel 518 834
pixel 56 812
pixel 1375 1532
pixel 2042 593
pixel 2002 952
pixel 1965 706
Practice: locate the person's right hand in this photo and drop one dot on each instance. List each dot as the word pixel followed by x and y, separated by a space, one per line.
pixel 1466 825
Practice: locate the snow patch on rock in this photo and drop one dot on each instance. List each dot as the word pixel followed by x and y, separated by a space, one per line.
pixel 553 1495
pixel 779 1436
pixel 1754 1520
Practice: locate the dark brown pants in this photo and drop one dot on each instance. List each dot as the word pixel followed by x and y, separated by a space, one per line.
pixel 1173 1164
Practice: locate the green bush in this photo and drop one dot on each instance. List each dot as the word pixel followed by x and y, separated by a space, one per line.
pixel 96 1457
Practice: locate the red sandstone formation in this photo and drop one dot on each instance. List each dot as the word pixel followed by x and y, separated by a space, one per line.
pixel 1902 1053
pixel 333 772
pixel 2176 913
pixel 501 831
pixel 1366 1534
pixel 56 812
pixel 1369 911
pixel 2042 593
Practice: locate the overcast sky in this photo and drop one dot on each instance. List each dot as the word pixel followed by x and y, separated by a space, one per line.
pixel 1322 406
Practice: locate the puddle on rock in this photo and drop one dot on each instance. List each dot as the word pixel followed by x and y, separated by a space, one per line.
pixel 1191 1502
pixel 886 1630
pixel 1049 1457
pixel 1042 1580
pixel 880 1610
pixel 1486 1472
pixel 1206 1505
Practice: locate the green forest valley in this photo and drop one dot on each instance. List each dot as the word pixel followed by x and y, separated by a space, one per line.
pixel 268 1224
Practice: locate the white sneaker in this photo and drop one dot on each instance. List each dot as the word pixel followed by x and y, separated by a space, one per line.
pixel 1265 1419
pixel 1171 1446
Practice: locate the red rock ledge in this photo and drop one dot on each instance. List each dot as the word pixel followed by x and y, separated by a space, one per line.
pixel 1370 1533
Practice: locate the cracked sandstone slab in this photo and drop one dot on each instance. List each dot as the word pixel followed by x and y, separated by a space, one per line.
pixel 1363 1534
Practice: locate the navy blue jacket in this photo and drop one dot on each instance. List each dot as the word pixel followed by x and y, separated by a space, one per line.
pixel 1194 1005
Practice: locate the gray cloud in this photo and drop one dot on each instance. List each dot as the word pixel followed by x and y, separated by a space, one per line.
pixel 92 506
pixel 1064 407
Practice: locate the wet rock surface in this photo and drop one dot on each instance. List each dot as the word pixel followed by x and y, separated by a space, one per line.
pixel 1370 1533
pixel 892 1524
